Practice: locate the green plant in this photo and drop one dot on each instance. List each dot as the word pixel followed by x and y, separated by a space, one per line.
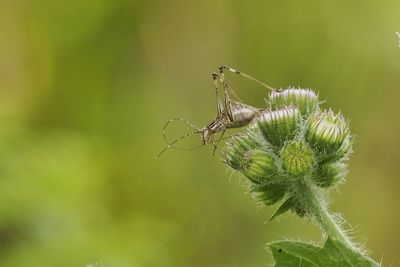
pixel 292 153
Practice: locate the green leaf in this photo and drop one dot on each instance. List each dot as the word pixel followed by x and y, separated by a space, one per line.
pixel 269 193
pixel 333 254
pixel 287 205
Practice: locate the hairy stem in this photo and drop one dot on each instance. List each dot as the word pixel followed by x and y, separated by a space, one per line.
pixel 317 208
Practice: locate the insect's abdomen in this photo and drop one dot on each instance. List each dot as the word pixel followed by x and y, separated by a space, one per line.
pixel 242 117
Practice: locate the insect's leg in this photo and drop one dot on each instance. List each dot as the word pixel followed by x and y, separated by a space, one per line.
pixel 227 99
pixel 219 139
pixel 223 80
pixel 219 102
pixel 223 67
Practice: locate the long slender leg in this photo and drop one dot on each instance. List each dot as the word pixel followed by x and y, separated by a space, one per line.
pixel 219 102
pixel 223 80
pixel 224 67
pixel 220 105
pixel 219 139
pixel 227 99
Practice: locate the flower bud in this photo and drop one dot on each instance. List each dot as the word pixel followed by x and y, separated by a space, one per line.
pixel 297 158
pixel 259 166
pixel 280 125
pixel 236 149
pixel 330 174
pixel 326 132
pixel 345 149
pixel 305 100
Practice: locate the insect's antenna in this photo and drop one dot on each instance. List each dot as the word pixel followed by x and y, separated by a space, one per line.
pixel 221 69
pixel 176 119
pixel 169 145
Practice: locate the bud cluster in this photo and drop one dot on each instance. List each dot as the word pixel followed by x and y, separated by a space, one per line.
pixel 292 141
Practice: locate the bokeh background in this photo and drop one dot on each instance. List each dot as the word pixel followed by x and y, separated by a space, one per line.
pixel 86 87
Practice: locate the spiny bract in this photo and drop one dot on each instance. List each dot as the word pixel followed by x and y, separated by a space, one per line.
pixel 291 142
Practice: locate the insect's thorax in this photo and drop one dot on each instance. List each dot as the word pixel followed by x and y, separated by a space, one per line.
pixel 220 123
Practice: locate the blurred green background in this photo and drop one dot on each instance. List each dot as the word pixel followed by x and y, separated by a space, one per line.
pixel 86 87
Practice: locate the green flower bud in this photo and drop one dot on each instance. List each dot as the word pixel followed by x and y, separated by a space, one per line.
pixel 330 174
pixel 345 149
pixel 236 149
pixel 326 132
pixel 297 158
pixel 259 166
pixel 280 125
pixel 305 100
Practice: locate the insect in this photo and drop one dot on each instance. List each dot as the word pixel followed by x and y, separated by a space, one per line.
pixel 398 35
pixel 230 114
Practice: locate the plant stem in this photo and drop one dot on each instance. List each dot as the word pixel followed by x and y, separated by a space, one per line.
pixel 317 208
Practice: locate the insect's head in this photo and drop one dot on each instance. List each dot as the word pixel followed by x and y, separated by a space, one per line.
pixel 206 135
